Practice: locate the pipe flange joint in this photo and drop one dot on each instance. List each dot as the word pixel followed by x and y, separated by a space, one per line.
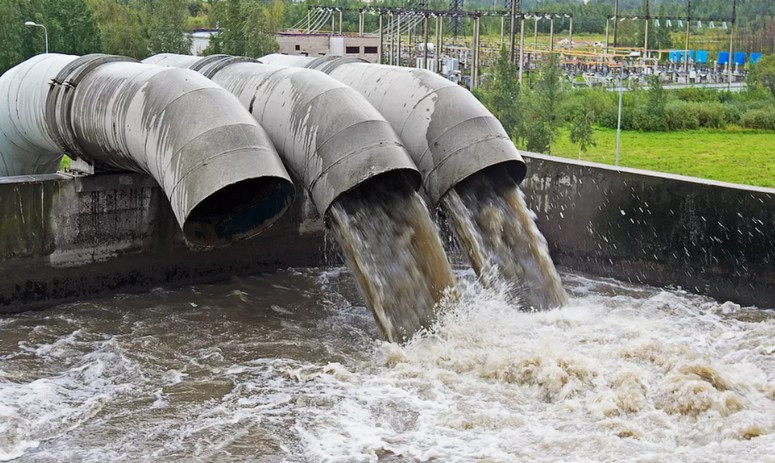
pixel 213 64
pixel 327 64
pixel 59 100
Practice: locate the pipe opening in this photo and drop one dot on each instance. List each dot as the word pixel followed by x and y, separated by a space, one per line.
pixel 237 211
pixel 397 179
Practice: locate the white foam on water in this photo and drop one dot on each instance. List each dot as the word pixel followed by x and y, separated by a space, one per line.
pixel 661 378
pixel 49 407
pixel 623 373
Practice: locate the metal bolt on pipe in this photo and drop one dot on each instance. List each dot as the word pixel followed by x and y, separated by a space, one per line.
pixel 218 167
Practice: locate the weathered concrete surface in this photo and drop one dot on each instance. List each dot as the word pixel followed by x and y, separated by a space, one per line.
pixel 64 238
pixel 707 237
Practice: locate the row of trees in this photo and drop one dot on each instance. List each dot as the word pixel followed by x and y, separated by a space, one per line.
pixel 135 28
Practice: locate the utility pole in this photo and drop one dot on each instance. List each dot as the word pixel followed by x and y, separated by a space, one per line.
pixel 515 6
pixel 521 46
pixel 425 43
pixel 381 38
pixel 456 7
pixel 731 37
pixel 440 40
pixel 646 32
pixel 475 70
pixel 398 39
pixel 551 34
pixel 686 48
pixel 391 37
pixel 616 22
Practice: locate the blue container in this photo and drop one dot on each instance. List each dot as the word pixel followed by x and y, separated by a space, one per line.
pixel 702 57
pixel 755 57
pixel 723 57
pixel 740 58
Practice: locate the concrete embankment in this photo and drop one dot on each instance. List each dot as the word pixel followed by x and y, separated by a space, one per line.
pixel 64 238
pixel 706 237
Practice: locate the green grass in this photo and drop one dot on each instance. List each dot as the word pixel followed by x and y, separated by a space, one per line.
pixel 732 155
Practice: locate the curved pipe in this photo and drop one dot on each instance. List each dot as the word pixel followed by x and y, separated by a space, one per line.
pixel 216 165
pixel 327 133
pixel 447 131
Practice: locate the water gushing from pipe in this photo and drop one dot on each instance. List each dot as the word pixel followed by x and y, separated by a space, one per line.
pixel 491 221
pixel 394 251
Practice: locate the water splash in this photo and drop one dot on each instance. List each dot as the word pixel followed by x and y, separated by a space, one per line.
pixel 621 372
pixel 394 251
pixel 492 223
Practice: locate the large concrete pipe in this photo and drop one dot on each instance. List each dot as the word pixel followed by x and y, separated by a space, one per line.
pixel 327 133
pixel 447 131
pixel 216 165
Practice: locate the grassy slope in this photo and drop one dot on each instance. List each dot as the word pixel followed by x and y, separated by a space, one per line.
pixel 737 156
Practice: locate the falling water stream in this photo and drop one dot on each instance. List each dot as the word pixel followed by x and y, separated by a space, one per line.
pixel 492 223
pixel 394 251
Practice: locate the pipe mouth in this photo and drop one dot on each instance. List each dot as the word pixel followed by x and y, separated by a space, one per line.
pixel 399 179
pixel 497 174
pixel 238 211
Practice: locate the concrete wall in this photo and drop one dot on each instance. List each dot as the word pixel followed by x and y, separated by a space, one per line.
pixel 707 237
pixel 65 238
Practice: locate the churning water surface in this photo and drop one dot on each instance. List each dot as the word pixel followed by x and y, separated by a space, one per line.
pixel 289 368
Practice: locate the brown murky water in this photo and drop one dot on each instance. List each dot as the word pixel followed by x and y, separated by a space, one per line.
pixel 497 231
pixel 290 367
pixel 394 250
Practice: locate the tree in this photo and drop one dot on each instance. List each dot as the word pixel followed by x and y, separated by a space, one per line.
pixel 12 34
pixel 650 115
pixel 121 28
pixel 581 127
pixel 245 28
pixel 762 74
pixel 501 95
pixel 72 28
pixel 167 26
pixel 232 24
pixel 257 42
pixel 543 107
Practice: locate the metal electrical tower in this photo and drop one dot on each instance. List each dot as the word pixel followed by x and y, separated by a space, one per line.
pixel 454 7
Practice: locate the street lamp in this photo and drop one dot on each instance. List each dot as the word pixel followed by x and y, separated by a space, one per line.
pixel 45 31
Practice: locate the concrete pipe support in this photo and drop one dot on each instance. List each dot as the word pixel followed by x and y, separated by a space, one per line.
pixel 327 133
pixel 447 131
pixel 216 165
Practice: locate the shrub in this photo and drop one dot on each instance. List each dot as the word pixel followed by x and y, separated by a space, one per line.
pixel 759 119
pixel 709 115
pixel 680 115
pixel 697 94
pixel 731 113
